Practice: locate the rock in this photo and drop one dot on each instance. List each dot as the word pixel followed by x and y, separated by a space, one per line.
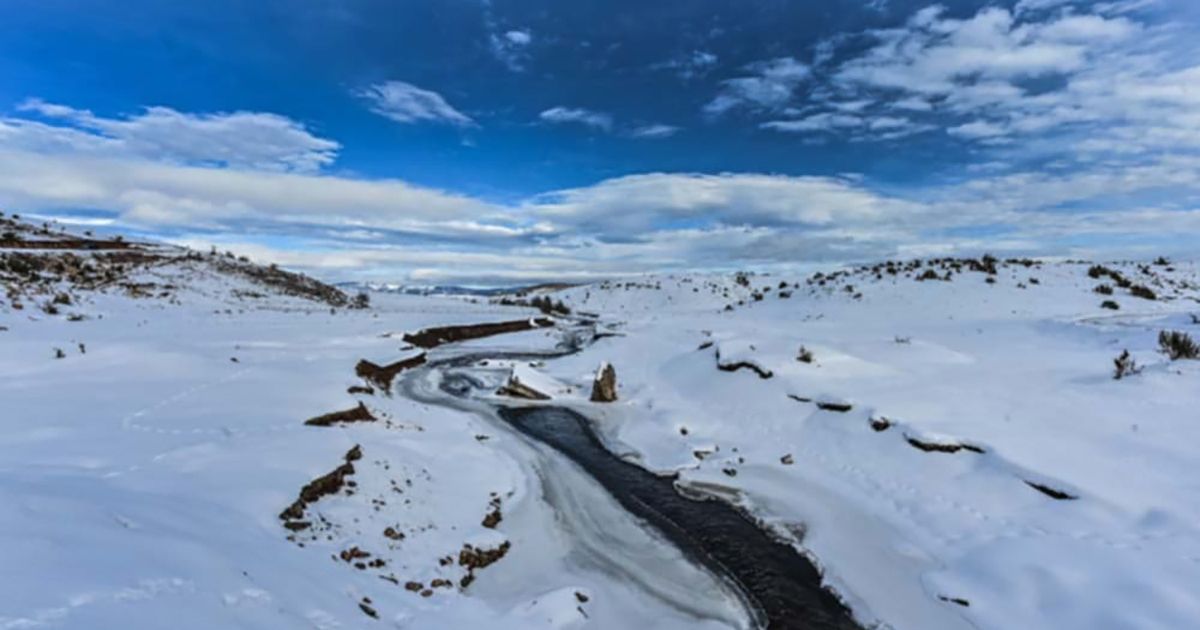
pixel 787 460
pixel 516 389
pixel 604 387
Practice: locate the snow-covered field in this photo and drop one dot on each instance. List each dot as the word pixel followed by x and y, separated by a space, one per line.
pixel 956 454
pixel 1019 369
pixel 143 475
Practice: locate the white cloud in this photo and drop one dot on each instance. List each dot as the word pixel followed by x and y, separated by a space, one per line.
pixel 731 199
pixel 511 48
pixel 239 139
pixel 519 38
pixel 694 64
pixel 770 87
pixel 578 115
pixel 654 131
pixel 977 129
pixel 350 227
pixel 406 103
pixel 825 121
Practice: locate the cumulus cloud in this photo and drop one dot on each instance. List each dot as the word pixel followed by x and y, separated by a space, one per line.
pixel 406 103
pixel 578 115
pixel 240 139
pixel 347 227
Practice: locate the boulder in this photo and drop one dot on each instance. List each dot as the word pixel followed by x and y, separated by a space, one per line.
pixel 604 387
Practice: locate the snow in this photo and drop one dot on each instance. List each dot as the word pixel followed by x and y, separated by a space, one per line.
pixel 143 474
pixel 1017 369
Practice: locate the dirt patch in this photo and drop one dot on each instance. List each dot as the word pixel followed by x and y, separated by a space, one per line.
pixel 357 414
pixel 494 516
pixel 382 376
pixel 434 337
pixel 69 243
pixel 941 447
pixel 325 485
pixel 762 373
pixel 1053 493
pixel 472 558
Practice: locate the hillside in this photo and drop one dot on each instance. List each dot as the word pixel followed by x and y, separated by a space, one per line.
pixel 194 440
pixel 947 438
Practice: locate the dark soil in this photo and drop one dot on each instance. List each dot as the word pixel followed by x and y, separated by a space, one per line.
pixel 1053 493
pixel 382 376
pixel 357 414
pixel 325 485
pixel 942 447
pixel 740 365
pixel 434 337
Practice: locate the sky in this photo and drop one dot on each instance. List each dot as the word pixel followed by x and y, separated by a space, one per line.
pixel 496 142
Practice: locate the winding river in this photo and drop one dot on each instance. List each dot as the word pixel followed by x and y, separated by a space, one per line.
pixel 780 586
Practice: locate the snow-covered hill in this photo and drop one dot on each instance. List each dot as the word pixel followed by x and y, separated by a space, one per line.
pixel 946 439
pixel 948 434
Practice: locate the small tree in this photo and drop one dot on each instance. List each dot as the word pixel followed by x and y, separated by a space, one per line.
pixel 361 301
pixel 1178 345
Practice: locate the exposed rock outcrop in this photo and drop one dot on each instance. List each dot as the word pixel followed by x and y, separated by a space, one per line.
pixel 604 386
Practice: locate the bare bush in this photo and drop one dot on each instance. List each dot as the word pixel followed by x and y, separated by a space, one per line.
pixel 1125 365
pixel 1178 345
pixel 1143 292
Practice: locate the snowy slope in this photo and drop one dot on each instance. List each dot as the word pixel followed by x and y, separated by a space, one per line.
pixel 953 453
pixel 144 471
pixel 910 446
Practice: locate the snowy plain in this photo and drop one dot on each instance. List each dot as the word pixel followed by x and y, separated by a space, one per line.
pixel 1017 372
pixel 143 473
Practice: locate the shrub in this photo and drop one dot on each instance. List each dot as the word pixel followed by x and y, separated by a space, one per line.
pixel 1143 292
pixel 361 301
pixel 805 355
pixel 1110 305
pixel 1103 289
pixel 1125 365
pixel 929 274
pixel 1178 345
pixel 1162 261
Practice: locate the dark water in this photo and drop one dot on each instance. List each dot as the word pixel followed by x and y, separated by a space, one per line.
pixel 782 584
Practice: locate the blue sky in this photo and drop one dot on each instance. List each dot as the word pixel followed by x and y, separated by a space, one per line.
pixel 481 141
